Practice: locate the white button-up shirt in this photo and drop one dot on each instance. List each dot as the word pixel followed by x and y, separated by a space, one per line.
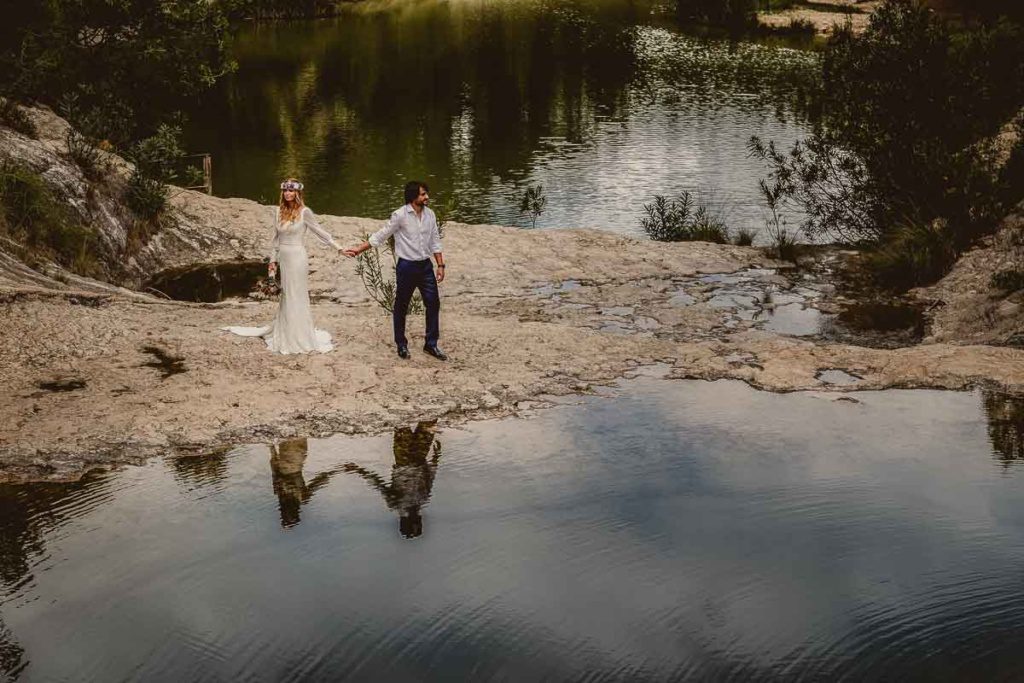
pixel 416 237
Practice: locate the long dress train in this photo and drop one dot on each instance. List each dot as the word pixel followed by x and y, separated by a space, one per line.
pixel 292 330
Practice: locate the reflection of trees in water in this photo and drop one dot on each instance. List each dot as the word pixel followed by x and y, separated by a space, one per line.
pixel 390 91
pixel 1005 415
pixel 286 461
pixel 12 655
pixel 27 513
pixel 205 469
pixel 412 475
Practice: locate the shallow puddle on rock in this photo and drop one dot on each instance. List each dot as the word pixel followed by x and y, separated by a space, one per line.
pixel 882 317
pixel 795 320
pixel 837 377
pixel 733 300
pixel 731 527
pixel 557 287
pixel 615 327
pixel 681 298
pixel 618 310
pixel 882 325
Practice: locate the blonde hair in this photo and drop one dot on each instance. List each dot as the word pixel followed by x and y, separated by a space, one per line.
pixel 290 211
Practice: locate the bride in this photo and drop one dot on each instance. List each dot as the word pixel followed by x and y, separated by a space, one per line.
pixel 292 330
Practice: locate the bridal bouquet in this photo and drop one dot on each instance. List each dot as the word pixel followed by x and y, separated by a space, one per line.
pixel 265 288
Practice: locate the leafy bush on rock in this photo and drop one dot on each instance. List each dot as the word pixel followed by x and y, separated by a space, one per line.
pixel 900 112
pixel 683 219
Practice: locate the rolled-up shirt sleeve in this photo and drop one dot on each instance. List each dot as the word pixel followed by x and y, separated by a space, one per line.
pixel 435 236
pixel 378 238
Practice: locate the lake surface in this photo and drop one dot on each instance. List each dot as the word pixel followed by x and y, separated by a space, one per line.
pixel 603 103
pixel 680 529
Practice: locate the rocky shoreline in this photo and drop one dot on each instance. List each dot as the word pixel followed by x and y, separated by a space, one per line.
pixel 102 379
pixel 98 375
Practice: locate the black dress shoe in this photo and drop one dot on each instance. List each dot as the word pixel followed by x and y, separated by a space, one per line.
pixel 435 352
pixel 403 352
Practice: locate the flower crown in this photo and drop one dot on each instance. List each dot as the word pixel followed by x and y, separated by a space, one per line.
pixel 291 185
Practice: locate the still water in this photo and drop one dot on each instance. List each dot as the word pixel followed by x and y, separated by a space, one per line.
pixel 602 103
pixel 680 529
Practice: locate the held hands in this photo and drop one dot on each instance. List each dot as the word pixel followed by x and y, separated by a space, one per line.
pixel 272 268
pixel 350 252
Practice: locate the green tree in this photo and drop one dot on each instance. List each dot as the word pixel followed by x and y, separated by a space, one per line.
pixel 127 63
pixel 901 112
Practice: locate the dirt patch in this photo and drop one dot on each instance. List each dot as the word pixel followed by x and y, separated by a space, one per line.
pixel 823 15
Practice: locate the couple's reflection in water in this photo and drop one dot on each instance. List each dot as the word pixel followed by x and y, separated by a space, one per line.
pixel 286 461
pixel 416 452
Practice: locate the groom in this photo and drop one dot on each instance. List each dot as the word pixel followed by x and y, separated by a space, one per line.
pixel 414 227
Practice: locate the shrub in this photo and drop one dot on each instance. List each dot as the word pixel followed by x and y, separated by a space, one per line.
pixel 533 202
pixel 83 151
pixel 744 237
pixel 380 287
pixel 145 196
pixel 15 118
pixel 783 244
pixel 736 14
pixel 157 160
pixel 901 109
pixel 775 5
pixel 1008 280
pixel 798 26
pixel 683 219
pixel 915 254
pixel 34 217
pixel 102 51
pixel 160 155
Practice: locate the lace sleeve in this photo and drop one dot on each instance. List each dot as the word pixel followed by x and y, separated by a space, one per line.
pixel 275 242
pixel 314 227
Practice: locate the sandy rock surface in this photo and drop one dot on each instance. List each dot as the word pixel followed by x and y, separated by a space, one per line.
pixel 96 374
pixel 103 378
pixel 965 307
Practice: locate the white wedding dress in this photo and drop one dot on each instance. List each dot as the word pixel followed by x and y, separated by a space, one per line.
pixel 292 331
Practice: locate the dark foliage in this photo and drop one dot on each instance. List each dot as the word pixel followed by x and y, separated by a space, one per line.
pixel 683 219
pixel 744 237
pixel 31 216
pixel 729 13
pixel 901 112
pixel 128 63
pixel 160 155
pixel 15 118
pixel 1008 280
pixel 158 161
pixel 280 9
pixel 145 196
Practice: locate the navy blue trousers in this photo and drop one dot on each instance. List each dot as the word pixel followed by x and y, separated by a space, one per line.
pixel 409 276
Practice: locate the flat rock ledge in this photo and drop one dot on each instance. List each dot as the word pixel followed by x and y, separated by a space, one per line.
pixel 103 378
